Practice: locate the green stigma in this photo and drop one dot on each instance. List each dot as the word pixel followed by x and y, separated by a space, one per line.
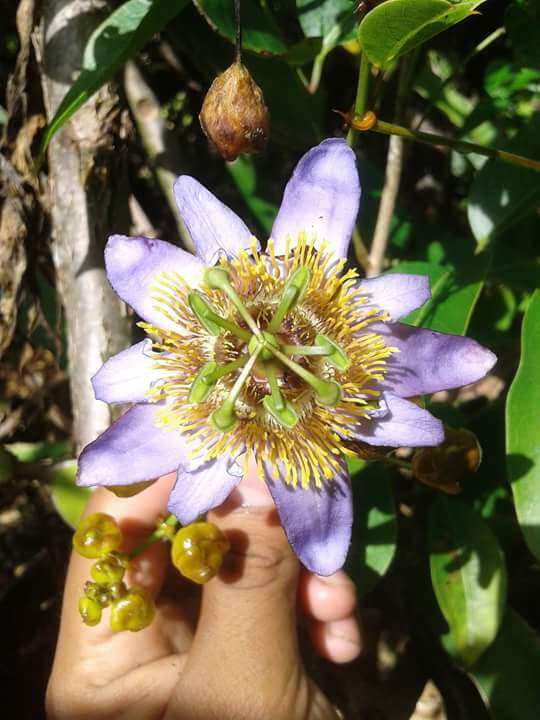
pixel 263 347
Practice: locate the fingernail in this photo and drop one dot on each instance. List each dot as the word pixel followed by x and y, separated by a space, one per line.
pixel 338 579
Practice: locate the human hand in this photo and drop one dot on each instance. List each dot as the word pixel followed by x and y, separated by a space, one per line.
pixel 228 652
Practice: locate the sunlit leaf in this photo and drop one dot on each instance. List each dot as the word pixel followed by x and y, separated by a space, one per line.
pixel 244 177
pixel 523 429
pixel 397 26
pixel 507 673
pixel 502 194
pixel 69 499
pixel 318 18
pixel 454 292
pixel 468 575
pixel 118 38
pixel 30 452
pixel 375 528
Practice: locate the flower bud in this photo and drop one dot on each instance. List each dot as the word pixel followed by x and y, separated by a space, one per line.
pixel 197 551
pixel 108 570
pixel 97 535
pixel 134 611
pixel 444 466
pixel 90 610
pixel 233 115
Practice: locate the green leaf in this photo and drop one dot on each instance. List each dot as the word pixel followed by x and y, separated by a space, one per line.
pixel 6 465
pixel 302 52
pixel 30 452
pixel 502 194
pixel 260 34
pixel 337 31
pixel 244 177
pixel 523 430
pixel 374 531
pixel 295 114
pixel 522 20
pixel 119 37
pixel 69 499
pixel 468 575
pixel 507 673
pixel 397 26
pixel 318 18
pixel 454 292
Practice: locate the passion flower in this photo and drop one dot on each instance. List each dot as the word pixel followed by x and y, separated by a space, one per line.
pixel 284 356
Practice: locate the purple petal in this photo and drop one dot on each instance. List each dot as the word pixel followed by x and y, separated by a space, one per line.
pixel 127 376
pixel 317 521
pixel 213 226
pixel 321 198
pixel 404 425
pixel 132 450
pixel 396 293
pixel 135 263
pixel 198 491
pixel 430 361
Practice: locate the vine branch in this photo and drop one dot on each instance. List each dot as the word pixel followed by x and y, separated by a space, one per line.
pixel 370 122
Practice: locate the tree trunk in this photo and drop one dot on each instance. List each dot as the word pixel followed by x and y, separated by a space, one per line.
pixel 84 172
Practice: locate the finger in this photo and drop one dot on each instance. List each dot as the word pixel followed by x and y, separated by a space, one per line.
pixel 338 641
pixel 98 649
pixel 247 627
pixel 326 598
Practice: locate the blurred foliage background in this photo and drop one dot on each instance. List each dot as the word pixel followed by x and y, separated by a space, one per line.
pixel 99 112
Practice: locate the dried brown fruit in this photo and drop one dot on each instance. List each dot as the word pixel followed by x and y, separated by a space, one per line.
pixel 445 466
pixel 234 116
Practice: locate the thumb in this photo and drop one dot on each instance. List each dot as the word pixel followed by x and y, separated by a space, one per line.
pixel 247 627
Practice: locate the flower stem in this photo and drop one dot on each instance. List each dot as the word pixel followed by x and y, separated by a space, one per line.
pixel 162 532
pixel 360 104
pixel 237 32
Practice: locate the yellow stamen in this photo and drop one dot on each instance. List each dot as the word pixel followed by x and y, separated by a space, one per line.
pixel 332 306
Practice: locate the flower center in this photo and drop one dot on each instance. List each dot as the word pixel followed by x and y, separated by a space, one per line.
pixel 263 354
pixel 273 356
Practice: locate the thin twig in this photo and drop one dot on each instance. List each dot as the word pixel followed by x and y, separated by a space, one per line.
pixel 360 250
pixel 392 177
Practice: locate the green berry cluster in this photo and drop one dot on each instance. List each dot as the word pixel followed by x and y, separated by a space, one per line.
pixel 98 537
